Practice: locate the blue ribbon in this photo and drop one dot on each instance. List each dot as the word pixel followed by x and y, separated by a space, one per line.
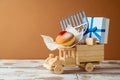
pixel 93 30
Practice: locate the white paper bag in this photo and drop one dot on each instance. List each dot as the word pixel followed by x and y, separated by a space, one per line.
pixel 51 45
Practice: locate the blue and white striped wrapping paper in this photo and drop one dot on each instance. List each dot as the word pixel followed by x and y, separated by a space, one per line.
pixel 98 28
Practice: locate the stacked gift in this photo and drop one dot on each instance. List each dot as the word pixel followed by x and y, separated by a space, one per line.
pixel 97 27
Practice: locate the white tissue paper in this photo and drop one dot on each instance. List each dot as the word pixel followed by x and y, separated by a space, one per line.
pixel 51 45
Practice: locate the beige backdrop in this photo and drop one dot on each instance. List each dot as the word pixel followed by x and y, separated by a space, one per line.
pixel 22 22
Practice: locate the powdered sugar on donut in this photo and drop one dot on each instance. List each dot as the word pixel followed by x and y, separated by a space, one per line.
pixel 67 36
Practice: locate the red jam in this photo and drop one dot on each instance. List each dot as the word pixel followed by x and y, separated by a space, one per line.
pixel 62 32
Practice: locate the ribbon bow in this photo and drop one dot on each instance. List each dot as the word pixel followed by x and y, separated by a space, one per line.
pixel 93 30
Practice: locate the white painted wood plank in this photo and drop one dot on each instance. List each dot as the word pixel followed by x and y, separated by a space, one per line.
pixel 21 63
pixel 99 77
pixel 33 74
pixel 29 70
pixel 33 70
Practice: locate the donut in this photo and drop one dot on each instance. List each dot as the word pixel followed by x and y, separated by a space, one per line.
pixel 65 38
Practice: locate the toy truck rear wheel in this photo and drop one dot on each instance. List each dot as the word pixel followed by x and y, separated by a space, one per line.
pixel 89 67
pixel 58 69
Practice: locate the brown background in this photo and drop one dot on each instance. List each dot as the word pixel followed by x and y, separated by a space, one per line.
pixel 22 22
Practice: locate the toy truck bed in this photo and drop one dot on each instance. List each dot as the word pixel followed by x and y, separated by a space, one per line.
pixel 86 53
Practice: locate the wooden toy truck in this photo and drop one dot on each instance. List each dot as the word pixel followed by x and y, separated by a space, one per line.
pixel 84 56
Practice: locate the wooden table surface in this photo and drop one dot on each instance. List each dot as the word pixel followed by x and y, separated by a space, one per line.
pixel 33 70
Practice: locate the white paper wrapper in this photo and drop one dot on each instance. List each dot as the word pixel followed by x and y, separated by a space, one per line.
pixel 49 42
pixel 51 45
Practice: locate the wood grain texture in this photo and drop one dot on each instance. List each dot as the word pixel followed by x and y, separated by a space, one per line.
pixel 87 53
pixel 33 70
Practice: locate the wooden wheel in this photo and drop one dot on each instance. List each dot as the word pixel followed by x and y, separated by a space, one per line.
pixel 58 69
pixel 89 67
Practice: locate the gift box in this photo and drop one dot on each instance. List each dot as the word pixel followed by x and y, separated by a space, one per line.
pixel 98 28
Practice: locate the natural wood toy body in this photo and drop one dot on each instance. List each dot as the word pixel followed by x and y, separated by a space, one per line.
pixel 84 56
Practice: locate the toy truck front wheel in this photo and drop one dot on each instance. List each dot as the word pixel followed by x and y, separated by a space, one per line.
pixel 58 69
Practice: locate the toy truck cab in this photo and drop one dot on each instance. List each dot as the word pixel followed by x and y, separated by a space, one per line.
pixel 84 56
pixel 67 56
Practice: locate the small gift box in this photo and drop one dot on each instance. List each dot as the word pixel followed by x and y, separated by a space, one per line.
pixel 90 41
pixel 98 28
